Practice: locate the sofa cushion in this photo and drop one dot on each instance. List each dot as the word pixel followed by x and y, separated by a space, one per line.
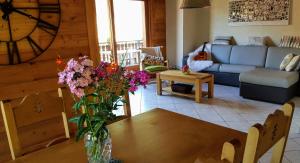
pixel 215 67
pixel 248 55
pixel 268 77
pixel 221 53
pixel 275 56
pixel 286 61
pixel 235 68
pixel 155 68
pixel 293 64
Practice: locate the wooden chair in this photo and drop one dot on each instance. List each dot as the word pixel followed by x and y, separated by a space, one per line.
pixel 34 122
pixel 155 52
pixel 126 108
pixel 4 148
pixel 261 138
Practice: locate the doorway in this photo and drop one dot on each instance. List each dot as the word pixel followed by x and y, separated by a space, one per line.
pixel 121 30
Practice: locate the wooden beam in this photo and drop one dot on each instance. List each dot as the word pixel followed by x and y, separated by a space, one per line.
pixel 127 109
pixel 155 11
pixel 22 89
pixel 91 20
pixel 113 41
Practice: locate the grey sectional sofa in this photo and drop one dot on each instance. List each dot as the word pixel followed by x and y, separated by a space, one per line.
pixel 255 69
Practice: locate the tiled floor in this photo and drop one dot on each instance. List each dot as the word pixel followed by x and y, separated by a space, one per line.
pixel 226 109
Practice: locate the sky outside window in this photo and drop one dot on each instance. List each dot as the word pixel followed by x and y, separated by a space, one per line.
pixel 128 20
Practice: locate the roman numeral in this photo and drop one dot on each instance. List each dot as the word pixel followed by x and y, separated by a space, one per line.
pixel 13 51
pixel 47 27
pixel 49 8
pixel 35 47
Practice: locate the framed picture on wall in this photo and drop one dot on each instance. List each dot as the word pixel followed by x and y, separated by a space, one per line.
pixel 262 12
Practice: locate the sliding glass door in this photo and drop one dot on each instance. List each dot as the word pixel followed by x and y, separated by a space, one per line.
pixel 121 30
pixel 104 34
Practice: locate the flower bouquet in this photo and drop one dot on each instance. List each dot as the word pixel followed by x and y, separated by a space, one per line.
pixel 186 70
pixel 98 91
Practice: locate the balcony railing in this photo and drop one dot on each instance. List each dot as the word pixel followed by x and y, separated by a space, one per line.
pixel 127 51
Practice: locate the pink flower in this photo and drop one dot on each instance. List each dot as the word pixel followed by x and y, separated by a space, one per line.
pixel 101 74
pixel 87 73
pixel 79 92
pixel 86 62
pixel 82 82
pixel 80 75
pixel 142 77
pixel 78 68
pixel 69 76
pixel 71 64
pixel 133 89
pixel 62 77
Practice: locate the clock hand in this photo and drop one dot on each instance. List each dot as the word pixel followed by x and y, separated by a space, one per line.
pixel 32 17
pixel 6 7
pixel 43 8
pixel 4 16
pixel 9 1
pixel 9 27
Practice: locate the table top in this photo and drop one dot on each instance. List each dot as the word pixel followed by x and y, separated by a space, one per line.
pixel 178 73
pixel 156 136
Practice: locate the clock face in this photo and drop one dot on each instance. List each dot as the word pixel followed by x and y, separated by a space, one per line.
pixel 27 29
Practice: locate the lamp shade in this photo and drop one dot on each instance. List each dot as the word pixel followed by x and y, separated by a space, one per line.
pixel 187 4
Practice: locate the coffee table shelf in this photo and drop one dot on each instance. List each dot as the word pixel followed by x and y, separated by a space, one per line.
pixel 190 95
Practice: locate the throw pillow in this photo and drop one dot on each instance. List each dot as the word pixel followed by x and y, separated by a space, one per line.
pixel 286 60
pixel 153 60
pixel 223 40
pixel 156 68
pixel 293 64
pixel 298 67
pixel 257 41
pixel 154 51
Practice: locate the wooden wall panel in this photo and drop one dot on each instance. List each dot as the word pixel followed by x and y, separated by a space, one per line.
pixel 156 23
pixel 41 74
pixel 74 38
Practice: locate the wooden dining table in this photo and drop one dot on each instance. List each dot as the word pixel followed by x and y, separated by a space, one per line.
pixel 156 136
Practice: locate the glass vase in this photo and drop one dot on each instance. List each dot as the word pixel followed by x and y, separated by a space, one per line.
pixel 98 151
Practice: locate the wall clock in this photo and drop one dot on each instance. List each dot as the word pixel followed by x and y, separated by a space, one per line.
pixel 27 29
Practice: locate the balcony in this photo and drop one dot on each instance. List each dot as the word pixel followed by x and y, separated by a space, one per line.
pixel 128 52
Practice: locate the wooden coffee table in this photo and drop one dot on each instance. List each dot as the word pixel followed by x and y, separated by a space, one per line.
pixel 193 78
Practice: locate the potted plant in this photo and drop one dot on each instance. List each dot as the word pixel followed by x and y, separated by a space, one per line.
pixel 98 91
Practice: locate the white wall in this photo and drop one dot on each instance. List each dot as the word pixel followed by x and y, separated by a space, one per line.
pixel 219 25
pixel 174 34
pixel 186 30
pixel 196 28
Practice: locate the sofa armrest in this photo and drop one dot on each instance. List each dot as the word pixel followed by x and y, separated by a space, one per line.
pixel 167 63
pixel 184 60
pixel 142 66
pixel 298 92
